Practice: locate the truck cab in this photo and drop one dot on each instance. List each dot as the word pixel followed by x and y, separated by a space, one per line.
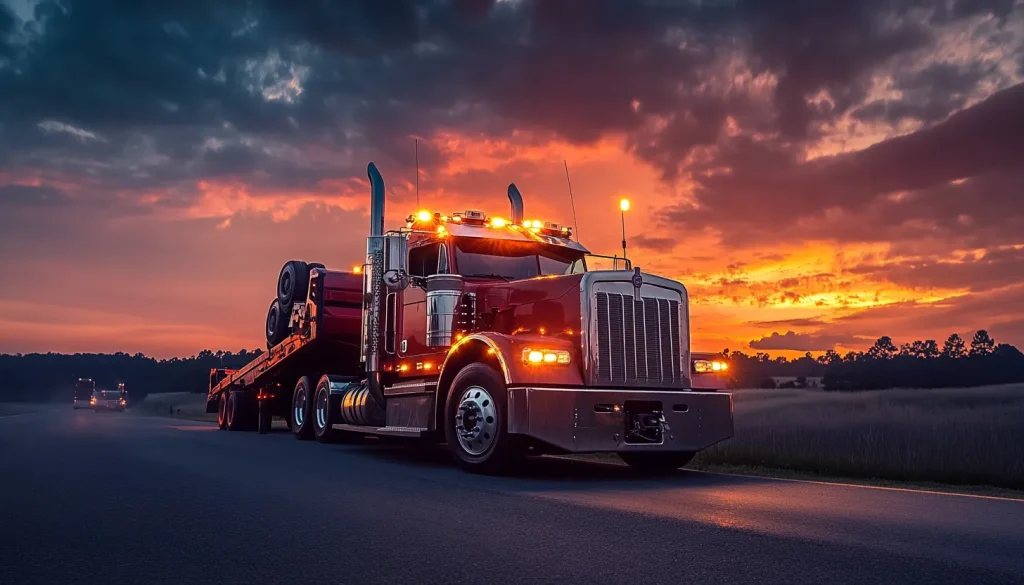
pixel 563 358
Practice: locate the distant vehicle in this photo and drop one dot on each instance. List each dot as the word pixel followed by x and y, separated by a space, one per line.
pixel 495 336
pixel 108 400
pixel 84 389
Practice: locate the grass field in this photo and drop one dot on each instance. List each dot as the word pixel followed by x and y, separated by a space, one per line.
pixel 175 404
pixel 955 436
pixel 7 409
pixel 959 436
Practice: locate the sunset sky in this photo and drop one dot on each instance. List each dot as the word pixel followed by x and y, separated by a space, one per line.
pixel 816 173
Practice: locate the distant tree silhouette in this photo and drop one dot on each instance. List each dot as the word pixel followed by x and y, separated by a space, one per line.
pixel 954 347
pixel 883 349
pixel 917 364
pixel 982 344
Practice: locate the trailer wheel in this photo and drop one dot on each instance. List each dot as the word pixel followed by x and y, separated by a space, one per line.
pixel 235 405
pixel 292 283
pixel 326 412
pixel 222 411
pixel 231 413
pixel 302 409
pixel 656 463
pixel 265 420
pixel 476 421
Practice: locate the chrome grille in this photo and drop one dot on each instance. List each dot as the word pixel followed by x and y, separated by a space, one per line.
pixel 638 340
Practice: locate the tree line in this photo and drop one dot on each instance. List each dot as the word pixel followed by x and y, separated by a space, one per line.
pixel 918 364
pixel 44 377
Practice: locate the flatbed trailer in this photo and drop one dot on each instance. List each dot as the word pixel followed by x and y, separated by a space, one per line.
pixel 322 340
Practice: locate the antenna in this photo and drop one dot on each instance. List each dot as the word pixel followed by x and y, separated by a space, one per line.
pixel 417 173
pixel 576 225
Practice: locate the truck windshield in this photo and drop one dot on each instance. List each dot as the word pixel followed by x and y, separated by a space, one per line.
pixel 491 258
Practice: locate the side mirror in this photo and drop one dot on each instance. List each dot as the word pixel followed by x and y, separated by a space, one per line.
pixel 396 262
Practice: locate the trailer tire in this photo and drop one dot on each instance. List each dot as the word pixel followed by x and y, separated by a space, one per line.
pixel 265 418
pixel 241 410
pixel 222 410
pixel 277 324
pixel 292 283
pixel 326 412
pixel 301 411
pixel 656 463
pixel 478 396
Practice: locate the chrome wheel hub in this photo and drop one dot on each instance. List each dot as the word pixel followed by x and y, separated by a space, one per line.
pixel 299 408
pixel 321 408
pixel 476 420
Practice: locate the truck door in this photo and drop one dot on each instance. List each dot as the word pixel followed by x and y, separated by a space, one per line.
pixel 424 260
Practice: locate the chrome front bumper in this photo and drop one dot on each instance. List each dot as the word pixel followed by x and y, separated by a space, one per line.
pixel 589 420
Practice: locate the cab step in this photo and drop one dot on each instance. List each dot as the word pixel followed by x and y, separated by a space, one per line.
pixel 408 432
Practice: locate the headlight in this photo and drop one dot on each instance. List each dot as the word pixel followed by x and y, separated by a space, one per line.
pixel 545 356
pixel 709 366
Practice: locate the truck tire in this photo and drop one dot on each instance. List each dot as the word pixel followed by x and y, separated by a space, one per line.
pixel 301 413
pixel 478 397
pixel 222 411
pixel 241 411
pixel 656 463
pixel 277 324
pixel 292 283
pixel 326 412
pixel 265 421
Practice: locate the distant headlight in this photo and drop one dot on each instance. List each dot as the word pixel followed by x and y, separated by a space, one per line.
pixel 709 366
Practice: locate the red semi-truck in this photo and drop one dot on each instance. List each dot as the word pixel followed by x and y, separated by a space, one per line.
pixel 494 336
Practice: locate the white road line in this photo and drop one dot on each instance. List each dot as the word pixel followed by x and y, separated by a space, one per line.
pixel 816 482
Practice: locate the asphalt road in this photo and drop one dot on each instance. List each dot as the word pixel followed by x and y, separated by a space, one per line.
pixel 119 498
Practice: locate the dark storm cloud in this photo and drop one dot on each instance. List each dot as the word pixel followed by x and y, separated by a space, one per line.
pixel 804 341
pixel 655 243
pixel 368 75
pixel 25 195
pixel 930 95
pixel 769 188
pixel 994 269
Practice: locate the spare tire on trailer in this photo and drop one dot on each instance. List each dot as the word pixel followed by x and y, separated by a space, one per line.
pixel 277 324
pixel 292 283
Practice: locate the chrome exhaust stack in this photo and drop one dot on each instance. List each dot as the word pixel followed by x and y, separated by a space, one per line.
pixel 516 199
pixel 373 288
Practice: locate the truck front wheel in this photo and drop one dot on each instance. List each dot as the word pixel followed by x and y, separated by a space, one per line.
pixel 302 409
pixel 656 462
pixel 476 421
